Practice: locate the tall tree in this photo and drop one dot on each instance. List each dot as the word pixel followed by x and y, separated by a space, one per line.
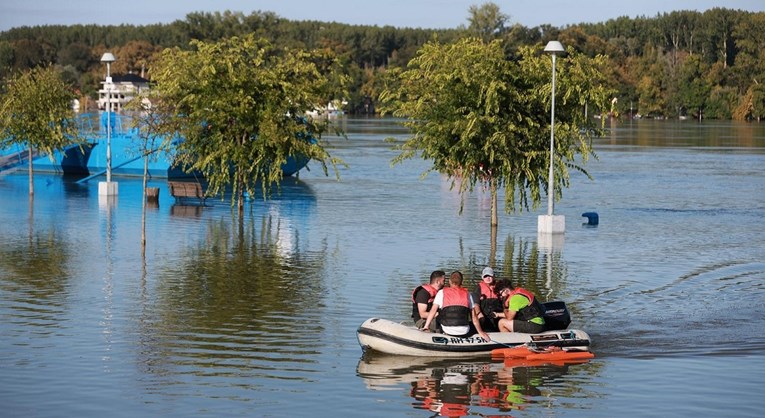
pixel 486 21
pixel 750 60
pixel 236 104
pixel 693 88
pixel 721 23
pixel 36 112
pixel 484 120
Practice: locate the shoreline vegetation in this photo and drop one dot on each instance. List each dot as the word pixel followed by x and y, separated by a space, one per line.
pixel 683 64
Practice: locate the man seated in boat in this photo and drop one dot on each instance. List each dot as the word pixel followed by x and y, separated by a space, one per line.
pixel 423 296
pixel 489 302
pixel 456 310
pixel 523 312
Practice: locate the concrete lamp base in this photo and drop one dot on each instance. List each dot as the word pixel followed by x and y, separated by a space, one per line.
pixel 551 224
pixel 108 188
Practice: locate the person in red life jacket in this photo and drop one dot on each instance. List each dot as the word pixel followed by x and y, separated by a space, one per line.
pixel 456 310
pixel 523 312
pixel 422 298
pixel 489 302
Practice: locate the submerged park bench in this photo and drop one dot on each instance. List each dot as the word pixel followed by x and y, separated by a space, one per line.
pixel 186 190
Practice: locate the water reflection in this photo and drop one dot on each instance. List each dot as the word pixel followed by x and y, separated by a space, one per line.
pixel 108 206
pixel 35 271
pixel 668 133
pixel 535 267
pixel 186 211
pixel 482 387
pixel 233 303
pixel 74 190
pixel 259 319
pixel 288 211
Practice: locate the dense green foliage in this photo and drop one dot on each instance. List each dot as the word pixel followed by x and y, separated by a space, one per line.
pixel 36 112
pixel 484 119
pixel 364 51
pixel 235 103
pixel 684 63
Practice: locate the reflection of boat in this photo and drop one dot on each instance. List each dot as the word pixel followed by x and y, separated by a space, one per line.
pixel 125 148
pixel 381 371
pixel 452 387
pixel 394 338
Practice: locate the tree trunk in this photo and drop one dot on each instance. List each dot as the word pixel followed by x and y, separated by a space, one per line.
pixel 494 216
pixel 143 204
pixel 240 197
pixel 31 174
pixel 494 223
pixel 31 218
pixel 493 247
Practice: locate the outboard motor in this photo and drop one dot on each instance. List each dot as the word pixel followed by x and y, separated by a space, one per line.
pixel 556 315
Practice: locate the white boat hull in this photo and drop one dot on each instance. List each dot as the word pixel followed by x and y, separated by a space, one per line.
pixel 390 337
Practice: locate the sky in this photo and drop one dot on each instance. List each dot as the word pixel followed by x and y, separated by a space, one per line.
pixel 433 14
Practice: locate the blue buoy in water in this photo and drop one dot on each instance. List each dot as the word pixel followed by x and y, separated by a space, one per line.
pixel 592 218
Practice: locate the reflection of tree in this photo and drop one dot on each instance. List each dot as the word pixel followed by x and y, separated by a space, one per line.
pixel 526 266
pixel 35 267
pixel 235 295
pixel 524 263
pixel 246 272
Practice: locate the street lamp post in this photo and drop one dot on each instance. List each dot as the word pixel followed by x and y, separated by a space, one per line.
pixel 550 223
pixel 108 188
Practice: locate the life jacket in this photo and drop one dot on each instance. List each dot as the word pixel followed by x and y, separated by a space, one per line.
pixel 489 300
pixel 532 310
pixel 456 309
pixel 487 291
pixel 431 291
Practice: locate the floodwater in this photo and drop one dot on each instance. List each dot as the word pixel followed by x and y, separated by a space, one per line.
pixel 259 318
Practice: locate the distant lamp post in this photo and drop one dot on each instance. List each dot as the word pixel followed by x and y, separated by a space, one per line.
pixel 108 188
pixel 550 223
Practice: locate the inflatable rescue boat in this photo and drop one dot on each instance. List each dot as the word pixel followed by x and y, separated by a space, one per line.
pixel 391 337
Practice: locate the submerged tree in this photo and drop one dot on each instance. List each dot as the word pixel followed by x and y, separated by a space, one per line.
pixel 484 120
pixel 236 104
pixel 36 112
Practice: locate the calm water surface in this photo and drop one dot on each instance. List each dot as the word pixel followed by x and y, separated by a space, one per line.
pixel 219 318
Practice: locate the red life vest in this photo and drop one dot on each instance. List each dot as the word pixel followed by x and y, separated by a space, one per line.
pixel 456 296
pixel 532 310
pixel 431 291
pixel 456 308
pixel 487 291
pixel 488 300
pixel 523 292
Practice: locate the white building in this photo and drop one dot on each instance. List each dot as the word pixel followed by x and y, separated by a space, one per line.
pixel 121 89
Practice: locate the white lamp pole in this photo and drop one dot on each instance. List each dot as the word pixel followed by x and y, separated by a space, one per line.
pixel 108 188
pixel 550 223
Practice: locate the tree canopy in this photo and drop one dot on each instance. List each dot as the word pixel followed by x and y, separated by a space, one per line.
pixel 236 104
pixel 36 112
pixel 646 55
pixel 483 119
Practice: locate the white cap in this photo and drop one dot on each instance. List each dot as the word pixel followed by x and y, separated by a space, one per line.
pixel 488 271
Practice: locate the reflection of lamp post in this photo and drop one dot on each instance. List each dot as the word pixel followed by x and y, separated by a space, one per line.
pixel 108 188
pixel 551 223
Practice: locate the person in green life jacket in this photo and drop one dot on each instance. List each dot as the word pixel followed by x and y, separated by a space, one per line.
pixel 523 312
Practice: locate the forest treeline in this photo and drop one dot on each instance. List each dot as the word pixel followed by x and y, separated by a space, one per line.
pixel 681 64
